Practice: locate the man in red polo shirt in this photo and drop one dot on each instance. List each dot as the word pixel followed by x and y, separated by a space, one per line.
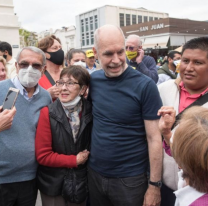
pixel 180 93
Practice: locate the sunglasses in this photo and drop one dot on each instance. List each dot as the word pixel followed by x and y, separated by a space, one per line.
pixel 130 48
pixel 24 65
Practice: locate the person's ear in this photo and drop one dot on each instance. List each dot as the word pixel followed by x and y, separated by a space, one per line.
pixel 43 70
pixel 170 60
pixel 95 52
pixel 48 56
pixel 17 69
pixel 83 90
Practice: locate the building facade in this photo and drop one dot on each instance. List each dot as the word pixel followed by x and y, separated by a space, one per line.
pixel 67 37
pixel 163 35
pixel 9 25
pixel 88 22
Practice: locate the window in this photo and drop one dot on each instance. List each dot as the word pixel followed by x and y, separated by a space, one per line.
pixel 128 20
pixel 150 18
pixel 145 19
pixel 121 17
pixel 87 39
pixel 86 24
pixel 91 23
pixel 82 25
pixel 133 19
pixel 83 40
pixel 139 19
pixel 156 18
pixel 92 37
pixel 96 21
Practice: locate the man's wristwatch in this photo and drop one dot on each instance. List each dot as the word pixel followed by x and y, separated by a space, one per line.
pixel 156 184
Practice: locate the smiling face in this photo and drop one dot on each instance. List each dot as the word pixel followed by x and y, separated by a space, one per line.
pixel 68 93
pixel 2 72
pixel 111 51
pixel 194 70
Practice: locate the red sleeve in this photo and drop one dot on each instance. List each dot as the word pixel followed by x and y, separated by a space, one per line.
pixel 43 145
pixel 44 82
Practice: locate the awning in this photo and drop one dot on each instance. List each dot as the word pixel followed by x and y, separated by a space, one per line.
pixel 156 42
pixel 179 49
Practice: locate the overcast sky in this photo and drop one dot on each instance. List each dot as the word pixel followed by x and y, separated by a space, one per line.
pixel 41 15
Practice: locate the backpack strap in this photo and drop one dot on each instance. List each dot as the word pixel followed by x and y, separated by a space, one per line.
pixel 200 101
pixel 49 78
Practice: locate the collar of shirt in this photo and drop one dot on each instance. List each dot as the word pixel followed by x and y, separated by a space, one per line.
pixel 23 91
pixel 172 72
pixel 91 70
pixel 186 195
pixel 11 61
pixel 186 99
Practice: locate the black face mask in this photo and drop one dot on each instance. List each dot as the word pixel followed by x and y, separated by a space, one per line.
pixel 5 56
pixel 57 57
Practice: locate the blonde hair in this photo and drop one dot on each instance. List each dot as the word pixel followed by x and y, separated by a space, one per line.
pixel 3 61
pixel 190 147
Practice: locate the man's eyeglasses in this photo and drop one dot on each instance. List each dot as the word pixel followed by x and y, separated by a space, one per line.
pixel 26 65
pixel 130 48
pixel 67 84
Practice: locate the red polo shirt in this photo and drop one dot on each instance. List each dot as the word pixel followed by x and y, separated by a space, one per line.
pixel 186 99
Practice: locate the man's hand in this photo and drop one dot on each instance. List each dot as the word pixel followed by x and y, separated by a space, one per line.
pixel 166 122
pixel 6 118
pixel 140 56
pixel 152 196
pixel 54 91
pixel 82 157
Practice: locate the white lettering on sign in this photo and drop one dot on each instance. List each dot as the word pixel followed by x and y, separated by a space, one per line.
pixel 157 26
pixel 144 28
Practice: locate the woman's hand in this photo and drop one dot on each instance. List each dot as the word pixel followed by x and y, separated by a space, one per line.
pixel 54 91
pixel 82 157
pixel 166 122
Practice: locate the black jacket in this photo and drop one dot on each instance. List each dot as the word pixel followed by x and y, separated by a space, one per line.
pixel 50 179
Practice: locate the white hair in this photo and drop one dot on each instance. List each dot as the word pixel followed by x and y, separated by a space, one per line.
pixel 134 36
pixel 33 49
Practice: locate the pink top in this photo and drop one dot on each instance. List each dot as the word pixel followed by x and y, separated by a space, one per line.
pixel 201 201
pixel 186 99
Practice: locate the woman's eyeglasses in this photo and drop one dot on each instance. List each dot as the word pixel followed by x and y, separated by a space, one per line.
pixel 67 84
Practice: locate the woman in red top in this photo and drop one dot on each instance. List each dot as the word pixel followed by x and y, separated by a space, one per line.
pixel 63 141
pixel 51 46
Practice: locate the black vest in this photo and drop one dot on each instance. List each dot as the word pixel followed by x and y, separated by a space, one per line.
pixel 50 179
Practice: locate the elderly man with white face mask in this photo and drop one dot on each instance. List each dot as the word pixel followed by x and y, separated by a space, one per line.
pixel 18 165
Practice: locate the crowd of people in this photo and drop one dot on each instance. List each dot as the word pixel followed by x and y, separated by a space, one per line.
pixel 106 126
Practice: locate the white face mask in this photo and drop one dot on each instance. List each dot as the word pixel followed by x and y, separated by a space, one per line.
pixel 80 63
pixel 29 77
pixel 176 62
pixel 73 103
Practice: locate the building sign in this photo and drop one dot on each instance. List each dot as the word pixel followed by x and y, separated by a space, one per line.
pixel 15 46
pixel 144 28
pixel 154 26
pixel 157 26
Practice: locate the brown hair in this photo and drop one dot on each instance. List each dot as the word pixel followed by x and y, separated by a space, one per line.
pixel 47 42
pixel 190 147
pixel 77 72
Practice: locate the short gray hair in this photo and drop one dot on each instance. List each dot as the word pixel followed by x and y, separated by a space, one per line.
pixel 35 50
pixel 97 33
pixel 134 36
